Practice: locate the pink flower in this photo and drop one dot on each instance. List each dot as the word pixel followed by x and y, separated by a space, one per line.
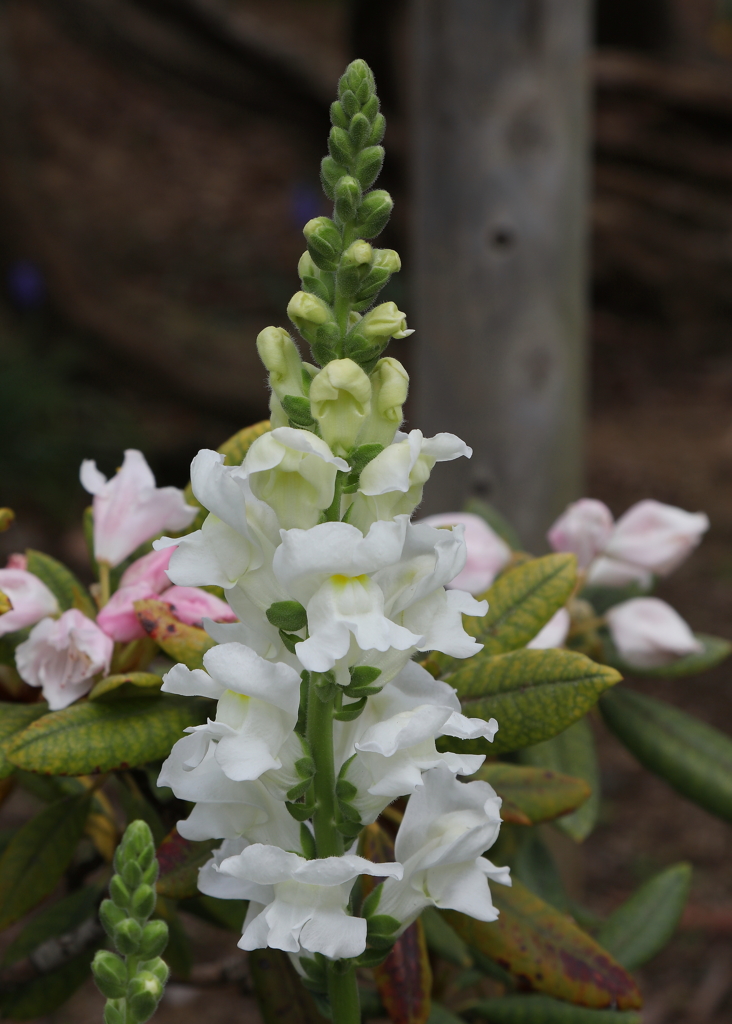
pixel 118 618
pixel 192 606
pixel 63 656
pixel 149 569
pixel 655 536
pixel 17 561
pixel 648 633
pixel 553 633
pixel 583 529
pixel 129 509
pixel 31 600
pixel 487 552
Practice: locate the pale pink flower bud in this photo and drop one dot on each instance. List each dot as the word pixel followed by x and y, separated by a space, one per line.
pixel 129 509
pixel 63 656
pixel 487 552
pixel 30 598
pixel 17 561
pixel 648 633
pixel 583 529
pixel 150 569
pixel 118 617
pixel 553 633
pixel 655 536
pixel 192 606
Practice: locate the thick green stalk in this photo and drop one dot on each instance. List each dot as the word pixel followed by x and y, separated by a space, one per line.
pixel 328 840
pixel 343 993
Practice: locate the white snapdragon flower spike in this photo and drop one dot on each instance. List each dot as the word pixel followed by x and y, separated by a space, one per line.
pixel 648 633
pixel 297 905
pixel 257 710
pixel 446 828
pixel 129 509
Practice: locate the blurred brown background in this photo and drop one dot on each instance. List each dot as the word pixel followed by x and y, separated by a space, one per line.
pixel 157 162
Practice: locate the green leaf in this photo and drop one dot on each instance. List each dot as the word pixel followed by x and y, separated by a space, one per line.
pixel 62 583
pixel 280 994
pixel 715 650
pixel 102 736
pixel 641 927
pixel 532 795
pixel 235 448
pixel 181 642
pixel 46 993
pixel 13 719
pixel 495 520
pixel 690 755
pixel 523 600
pixel 547 950
pixel 126 684
pixel 573 752
pixel 443 940
pixel 532 694
pixel 178 952
pixel 180 860
pixel 37 856
pixel 63 917
pixel 529 1009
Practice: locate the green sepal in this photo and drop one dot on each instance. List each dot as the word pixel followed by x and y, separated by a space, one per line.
pixel 305 767
pixel 358 460
pixel 298 411
pixel 351 711
pixel 316 287
pixel 338 115
pixel 330 173
pixel 372 957
pixel 339 146
pixel 371 903
pixel 349 812
pixel 349 829
pixel 347 199
pixel 381 924
pixel 110 974
pixel 378 128
pixel 362 676
pixel 345 790
pixel 289 640
pixel 289 615
pixel 368 164
pixel 307 843
pixel 371 108
pixel 326 687
pixel 298 790
pixel 359 131
pixel 300 812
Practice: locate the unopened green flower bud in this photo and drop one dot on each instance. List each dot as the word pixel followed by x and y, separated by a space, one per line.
pixel 143 995
pixel 119 892
pixel 359 131
pixel 324 242
pixel 358 253
pixel 110 974
pixel 306 267
pixel 154 938
pixel 378 128
pixel 368 165
pixel 374 213
pixel 115 1012
pixel 356 75
pixel 142 903
pixel 330 173
pixel 137 839
pixel 157 967
pixel 347 198
pixel 325 344
pixel 338 115
pixel 339 146
pixel 390 385
pixel 131 874
pixel 110 915
pixel 349 103
pixel 127 935
pixel 279 354
pixel 340 398
pixel 307 312
pixel 387 259
pixel 385 262
pixel 371 107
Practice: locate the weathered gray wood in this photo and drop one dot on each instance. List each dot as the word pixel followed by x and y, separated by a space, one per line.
pixel 500 175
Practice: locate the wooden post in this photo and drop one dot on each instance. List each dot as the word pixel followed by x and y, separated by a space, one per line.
pixel 500 177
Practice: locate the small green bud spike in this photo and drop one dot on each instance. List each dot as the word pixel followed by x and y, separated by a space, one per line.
pixel 133 987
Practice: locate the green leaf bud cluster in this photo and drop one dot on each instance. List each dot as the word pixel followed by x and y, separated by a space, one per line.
pixel 348 395
pixel 133 979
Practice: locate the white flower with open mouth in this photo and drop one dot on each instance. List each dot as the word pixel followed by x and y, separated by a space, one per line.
pixel 129 509
pixel 257 710
pixel 296 904
pixel 446 828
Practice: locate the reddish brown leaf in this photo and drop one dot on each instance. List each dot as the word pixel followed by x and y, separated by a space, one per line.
pixel 180 860
pixel 404 980
pixel 181 642
pixel 547 951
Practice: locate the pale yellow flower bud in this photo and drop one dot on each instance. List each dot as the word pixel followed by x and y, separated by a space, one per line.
pixel 307 307
pixel 385 321
pixel 279 354
pixel 359 252
pixel 340 399
pixel 387 259
pixel 390 384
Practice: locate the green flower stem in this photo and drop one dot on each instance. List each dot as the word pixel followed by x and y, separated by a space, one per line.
pixel 333 513
pixel 343 993
pixel 104 583
pixel 328 840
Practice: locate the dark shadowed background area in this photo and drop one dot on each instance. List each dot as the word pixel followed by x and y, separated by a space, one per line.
pixel 158 159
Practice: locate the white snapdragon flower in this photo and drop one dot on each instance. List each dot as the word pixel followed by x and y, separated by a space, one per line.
pixel 392 483
pixel 394 739
pixel 446 828
pixel 257 710
pixel 487 553
pixel 296 905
